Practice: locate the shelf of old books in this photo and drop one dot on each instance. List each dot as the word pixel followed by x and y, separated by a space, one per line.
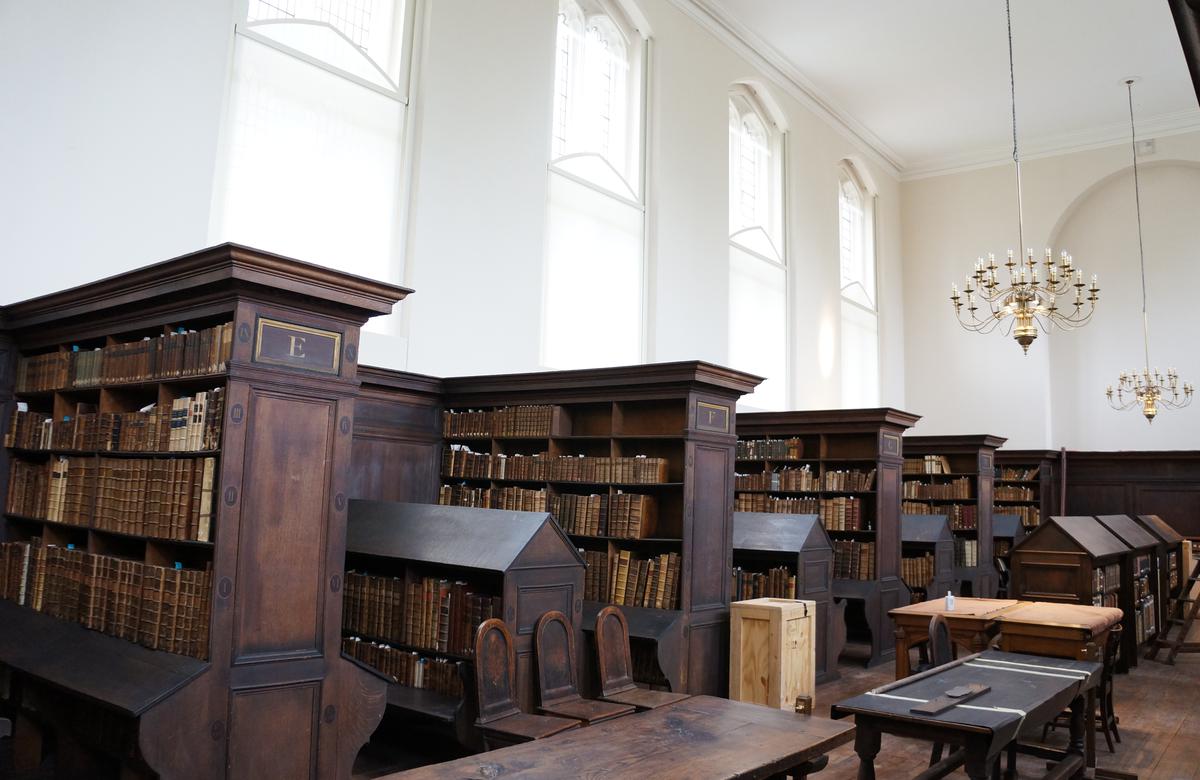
pixel 420 578
pixel 927 547
pixel 843 466
pixel 1139 584
pixel 953 476
pixel 1007 531
pixel 1026 484
pixel 1169 552
pixel 141 415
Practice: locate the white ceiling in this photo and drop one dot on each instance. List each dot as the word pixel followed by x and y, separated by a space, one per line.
pixel 926 81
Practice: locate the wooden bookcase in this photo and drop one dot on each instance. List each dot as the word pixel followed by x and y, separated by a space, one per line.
pixel 269 692
pixel 929 535
pixel 1027 484
pixel 799 543
pixel 1170 563
pixel 944 465
pixel 824 442
pixel 1007 530
pixel 1139 584
pixel 1070 560
pixel 680 412
pixel 523 559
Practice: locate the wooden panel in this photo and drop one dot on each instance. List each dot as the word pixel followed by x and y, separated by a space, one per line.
pixel 273 732
pixel 1095 498
pixel 1180 502
pixel 711 523
pixel 533 601
pixel 386 469
pixel 281 560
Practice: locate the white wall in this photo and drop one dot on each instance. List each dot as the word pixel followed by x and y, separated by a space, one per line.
pixel 109 115
pixel 969 383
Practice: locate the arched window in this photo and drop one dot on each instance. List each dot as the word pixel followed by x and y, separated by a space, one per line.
pixel 593 288
pixel 758 322
pixel 860 315
pixel 311 160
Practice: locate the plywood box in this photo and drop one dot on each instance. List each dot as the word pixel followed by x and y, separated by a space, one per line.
pixel 771 651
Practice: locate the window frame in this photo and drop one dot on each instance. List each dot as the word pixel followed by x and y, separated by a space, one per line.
pixel 848 172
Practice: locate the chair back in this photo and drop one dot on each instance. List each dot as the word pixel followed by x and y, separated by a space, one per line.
pixel 555 659
pixel 495 671
pixel 940 651
pixel 1112 649
pixel 612 652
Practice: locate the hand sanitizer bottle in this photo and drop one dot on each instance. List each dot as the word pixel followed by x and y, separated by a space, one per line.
pixel 949 601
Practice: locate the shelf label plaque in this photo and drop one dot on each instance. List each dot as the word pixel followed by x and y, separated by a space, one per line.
pixel 297 346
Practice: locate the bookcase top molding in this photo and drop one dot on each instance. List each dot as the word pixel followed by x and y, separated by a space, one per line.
pixel 750 422
pixel 608 382
pixel 452 535
pixel 1030 455
pixel 226 271
pixel 941 444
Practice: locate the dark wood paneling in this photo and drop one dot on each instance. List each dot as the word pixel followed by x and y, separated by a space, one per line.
pixel 1165 483
pixel 273 732
pixel 713 472
pixel 280 566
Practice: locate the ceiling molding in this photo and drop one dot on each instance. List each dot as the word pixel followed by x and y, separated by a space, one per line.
pixel 1160 126
pixel 712 16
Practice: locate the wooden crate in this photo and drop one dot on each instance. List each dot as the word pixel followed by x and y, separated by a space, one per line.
pixel 772 657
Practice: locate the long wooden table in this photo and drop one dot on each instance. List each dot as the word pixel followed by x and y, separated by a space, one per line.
pixel 701 736
pixel 972 625
pixel 1025 691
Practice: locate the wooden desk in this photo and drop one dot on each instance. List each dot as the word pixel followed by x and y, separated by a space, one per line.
pixel 1059 630
pixel 1026 691
pixel 702 736
pixel 972 625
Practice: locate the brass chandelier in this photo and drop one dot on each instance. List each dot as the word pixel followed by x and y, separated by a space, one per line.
pixel 1147 388
pixel 1026 303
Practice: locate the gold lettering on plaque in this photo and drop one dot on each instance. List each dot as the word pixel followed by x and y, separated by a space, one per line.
pixel 712 417
pixel 297 348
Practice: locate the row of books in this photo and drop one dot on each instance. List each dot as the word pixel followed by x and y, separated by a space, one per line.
pixel 840 513
pixel 853 560
pixel 843 513
pixel 159 607
pixel 459 461
pixel 514 498
pixel 430 613
pixel 758 502
pixel 178 354
pixel 777 583
pixel 166 499
pixel 1106 578
pixel 412 670
pixel 929 464
pixel 1106 600
pixel 1014 473
pixel 1013 493
pixel 966 552
pixel 512 421
pixel 623 515
pixel 917 571
pixel 1030 515
pixel 1001 548
pixel 192 424
pixel 1173 569
pixel 955 488
pixel 620 578
pixel 805 479
pixel 770 449
pixel 963 517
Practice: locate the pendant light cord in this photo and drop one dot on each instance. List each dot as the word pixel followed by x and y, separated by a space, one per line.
pixel 1137 200
pixel 1012 91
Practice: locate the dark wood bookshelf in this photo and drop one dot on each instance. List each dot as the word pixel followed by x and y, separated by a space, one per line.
pixel 682 412
pixel 929 535
pixel 799 543
pixel 271 693
pixel 1007 530
pixel 846 440
pixel 970 457
pixel 1027 484
pixel 1169 549
pixel 1140 593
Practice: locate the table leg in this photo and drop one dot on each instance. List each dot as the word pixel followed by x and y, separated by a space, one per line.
pixel 1083 721
pixel 903 668
pixel 1089 745
pixel 866 745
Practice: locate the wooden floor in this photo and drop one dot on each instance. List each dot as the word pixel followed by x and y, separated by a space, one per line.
pixel 1159 708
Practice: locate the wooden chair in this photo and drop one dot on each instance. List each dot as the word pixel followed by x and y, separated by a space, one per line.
pixel 616 676
pixel 556 675
pixel 941 651
pixel 1106 718
pixel 500 719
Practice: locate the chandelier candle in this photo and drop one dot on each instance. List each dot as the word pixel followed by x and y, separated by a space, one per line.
pixel 1027 303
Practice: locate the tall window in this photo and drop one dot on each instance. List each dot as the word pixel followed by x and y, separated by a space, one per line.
pixel 860 314
pixel 312 160
pixel 758 323
pixel 596 211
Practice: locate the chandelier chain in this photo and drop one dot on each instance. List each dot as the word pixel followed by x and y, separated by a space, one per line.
pixel 1137 200
pixel 1012 92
